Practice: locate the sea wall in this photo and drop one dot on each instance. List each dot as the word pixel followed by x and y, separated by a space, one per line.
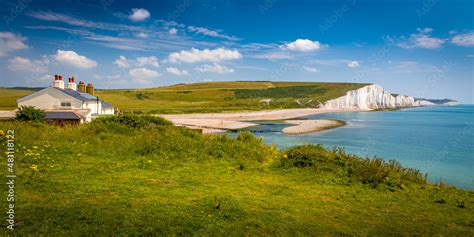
pixel 371 97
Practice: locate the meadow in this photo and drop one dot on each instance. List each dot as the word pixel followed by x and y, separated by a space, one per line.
pixel 133 177
pixel 209 96
pixel 8 97
pixel 225 96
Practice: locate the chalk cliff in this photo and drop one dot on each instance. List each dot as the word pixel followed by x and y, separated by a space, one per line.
pixel 372 97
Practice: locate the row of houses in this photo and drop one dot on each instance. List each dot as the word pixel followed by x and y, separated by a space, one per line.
pixel 68 104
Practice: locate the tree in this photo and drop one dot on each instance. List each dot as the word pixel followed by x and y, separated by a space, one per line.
pixel 30 113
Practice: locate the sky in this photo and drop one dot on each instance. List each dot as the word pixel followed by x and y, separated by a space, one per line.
pixel 419 48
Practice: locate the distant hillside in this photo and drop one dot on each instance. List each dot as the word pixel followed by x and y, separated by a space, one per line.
pixel 8 96
pixel 438 101
pixel 226 96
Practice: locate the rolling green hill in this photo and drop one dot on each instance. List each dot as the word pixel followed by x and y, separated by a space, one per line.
pixel 225 96
pixel 8 96
pixel 210 96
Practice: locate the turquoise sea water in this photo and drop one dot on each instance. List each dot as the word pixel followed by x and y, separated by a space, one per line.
pixel 436 140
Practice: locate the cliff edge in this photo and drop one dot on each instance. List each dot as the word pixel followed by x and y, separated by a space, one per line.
pixel 374 97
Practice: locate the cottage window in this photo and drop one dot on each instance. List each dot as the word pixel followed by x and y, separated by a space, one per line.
pixel 65 104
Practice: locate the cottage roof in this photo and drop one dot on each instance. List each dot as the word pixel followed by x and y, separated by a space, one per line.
pixel 62 115
pixel 77 94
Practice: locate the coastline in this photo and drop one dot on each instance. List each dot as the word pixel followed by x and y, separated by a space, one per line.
pixel 221 122
pixel 313 125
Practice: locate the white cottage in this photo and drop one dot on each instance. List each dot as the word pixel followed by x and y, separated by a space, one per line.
pixel 74 102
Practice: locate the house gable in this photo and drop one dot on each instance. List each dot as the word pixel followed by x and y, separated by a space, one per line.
pixel 50 98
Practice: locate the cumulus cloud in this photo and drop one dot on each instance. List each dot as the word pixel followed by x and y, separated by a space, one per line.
pixel 215 68
pixel 25 65
pixel 353 64
pixel 139 14
pixel 143 73
pixel 310 69
pixel 206 55
pixel 463 39
pixel 212 33
pixel 122 62
pixel 421 39
pixel 173 31
pixel 11 42
pixel 143 61
pixel 177 72
pixel 71 58
pixel 303 45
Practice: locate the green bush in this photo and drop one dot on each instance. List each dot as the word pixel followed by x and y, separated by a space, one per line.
pixel 372 172
pixel 30 113
pixel 134 121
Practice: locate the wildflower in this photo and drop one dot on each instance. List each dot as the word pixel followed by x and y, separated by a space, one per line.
pixel 34 167
pixel 2 133
pixel 285 156
pixel 35 147
pixel 149 161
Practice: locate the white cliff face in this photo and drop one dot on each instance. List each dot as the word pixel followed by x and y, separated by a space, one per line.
pixel 368 98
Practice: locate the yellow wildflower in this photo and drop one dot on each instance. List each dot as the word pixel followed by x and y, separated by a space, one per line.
pixel 2 133
pixel 149 161
pixel 34 167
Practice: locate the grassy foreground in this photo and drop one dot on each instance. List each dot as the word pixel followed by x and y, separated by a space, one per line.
pixel 108 178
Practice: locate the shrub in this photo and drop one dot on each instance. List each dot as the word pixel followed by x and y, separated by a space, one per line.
pixel 134 121
pixel 30 113
pixel 372 172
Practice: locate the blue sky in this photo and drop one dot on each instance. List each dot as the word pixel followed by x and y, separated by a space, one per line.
pixel 420 48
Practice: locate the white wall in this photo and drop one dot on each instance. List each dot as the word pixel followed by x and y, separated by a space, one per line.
pixel 49 99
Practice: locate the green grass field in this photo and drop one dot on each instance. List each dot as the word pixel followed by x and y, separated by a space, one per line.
pixel 210 96
pixel 108 179
pixel 8 97
pixel 225 96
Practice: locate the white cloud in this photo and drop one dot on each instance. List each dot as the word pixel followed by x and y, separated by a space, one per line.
pixel 213 33
pixel 310 69
pixel 122 62
pixel 143 73
pixel 206 55
pixel 215 67
pixel 303 45
pixel 71 58
pixel 139 14
pixel 25 65
pixel 353 64
pixel 173 31
pixel 177 72
pixel 142 35
pixel 45 78
pixel 464 39
pixel 143 61
pixel 10 42
pixel 274 56
pixel 422 39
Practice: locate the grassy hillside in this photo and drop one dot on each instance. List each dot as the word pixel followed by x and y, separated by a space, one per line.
pixel 225 96
pixel 8 97
pixel 106 178
pixel 210 96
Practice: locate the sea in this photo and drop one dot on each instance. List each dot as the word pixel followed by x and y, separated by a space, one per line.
pixel 437 140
